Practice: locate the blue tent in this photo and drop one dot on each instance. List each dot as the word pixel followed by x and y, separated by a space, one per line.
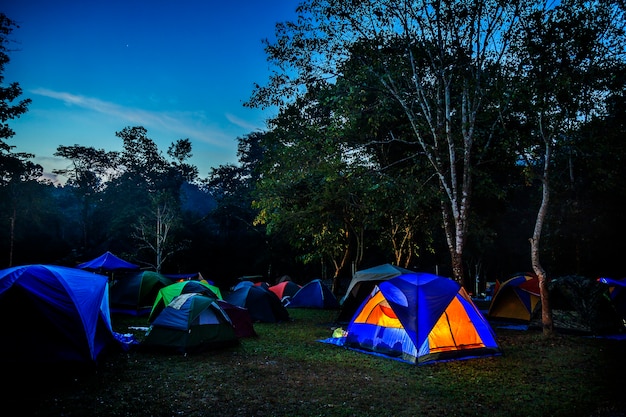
pixel 52 314
pixel 107 262
pixel 263 305
pixel 315 294
pixel 419 318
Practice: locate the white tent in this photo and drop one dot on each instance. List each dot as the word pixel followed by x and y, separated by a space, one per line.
pixel 361 285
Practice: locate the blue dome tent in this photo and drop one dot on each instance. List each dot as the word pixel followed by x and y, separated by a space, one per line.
pixel 419 318
pixel 54 314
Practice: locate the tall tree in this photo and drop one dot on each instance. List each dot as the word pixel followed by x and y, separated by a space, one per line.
pixel 14 167
pixel 232 186
pixel 141 158
pixel 311 190
pixel 8 94
pixel 142 172
pixel 436 59
pixel 155 230
pixel 566 57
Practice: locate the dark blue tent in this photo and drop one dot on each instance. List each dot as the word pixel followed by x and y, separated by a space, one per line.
pixel 315 294
pixel 263 305
pixel 53 314
pixel 108 262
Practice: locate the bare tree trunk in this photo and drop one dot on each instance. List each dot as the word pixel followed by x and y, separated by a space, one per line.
pixel 455 236
pixel 159 237
pixel 546 310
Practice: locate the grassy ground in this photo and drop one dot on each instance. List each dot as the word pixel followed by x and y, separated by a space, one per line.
pixel 287 372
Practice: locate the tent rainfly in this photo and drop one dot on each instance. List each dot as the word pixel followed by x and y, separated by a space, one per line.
pixel 107 262
pixel 362 283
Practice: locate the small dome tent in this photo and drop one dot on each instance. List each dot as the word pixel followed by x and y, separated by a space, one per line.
pixel 169 292
pixel 191 323
pixel 315 294
pixel 617 293
pixel 135 294
pixel 515 299
pixel 285 289
pixel 107 262
pixel 263 305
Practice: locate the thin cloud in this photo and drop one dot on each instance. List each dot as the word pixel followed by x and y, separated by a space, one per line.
pixel 183 124
pixel 242 123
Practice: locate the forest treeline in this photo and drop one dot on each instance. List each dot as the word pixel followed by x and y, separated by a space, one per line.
pixel 470 139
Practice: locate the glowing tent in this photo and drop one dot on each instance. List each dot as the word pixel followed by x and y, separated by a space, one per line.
pixel 419 318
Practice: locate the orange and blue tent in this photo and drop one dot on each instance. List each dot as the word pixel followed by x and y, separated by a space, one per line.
pixel 419 318
pixel 516 298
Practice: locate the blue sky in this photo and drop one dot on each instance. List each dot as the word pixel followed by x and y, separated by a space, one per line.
pixel 181 69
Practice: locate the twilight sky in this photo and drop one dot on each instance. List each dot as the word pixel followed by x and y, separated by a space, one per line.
pixel 181 69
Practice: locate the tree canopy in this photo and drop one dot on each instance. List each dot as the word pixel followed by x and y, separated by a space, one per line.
pixel 425 134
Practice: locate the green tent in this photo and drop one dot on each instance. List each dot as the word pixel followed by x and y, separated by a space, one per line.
pixel 134 294
pixel 168 293
pixel 191 323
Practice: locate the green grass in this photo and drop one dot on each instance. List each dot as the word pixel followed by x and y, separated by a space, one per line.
pixel 287 372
